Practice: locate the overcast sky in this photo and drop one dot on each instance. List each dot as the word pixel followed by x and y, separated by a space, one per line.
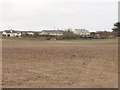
pixel 93 15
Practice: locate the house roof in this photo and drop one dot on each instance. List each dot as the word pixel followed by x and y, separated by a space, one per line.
pixel 9 31
pixel 81 30
pixel 55 31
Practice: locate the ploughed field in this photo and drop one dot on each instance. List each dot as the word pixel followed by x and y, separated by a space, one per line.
pixel 60 64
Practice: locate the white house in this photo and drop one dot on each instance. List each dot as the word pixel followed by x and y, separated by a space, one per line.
pixel 82 32
pixel 11 33
pixel 51 32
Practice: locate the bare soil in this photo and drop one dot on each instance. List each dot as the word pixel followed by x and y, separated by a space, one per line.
pixel 60 64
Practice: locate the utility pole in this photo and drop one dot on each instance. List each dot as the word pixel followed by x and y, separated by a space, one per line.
pixel 54 27
pixel 9 27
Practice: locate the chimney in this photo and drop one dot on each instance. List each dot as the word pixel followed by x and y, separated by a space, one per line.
pixel 11 30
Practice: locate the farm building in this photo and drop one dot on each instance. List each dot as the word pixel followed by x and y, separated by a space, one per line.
pixel 82 32
pixel 11 33
pixel 52 32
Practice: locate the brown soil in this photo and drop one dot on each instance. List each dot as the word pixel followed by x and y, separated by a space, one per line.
pixel 60 64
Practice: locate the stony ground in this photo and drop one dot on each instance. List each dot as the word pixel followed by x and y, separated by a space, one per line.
pixel 60 64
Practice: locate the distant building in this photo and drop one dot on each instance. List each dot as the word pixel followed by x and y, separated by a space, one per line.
pixel 102 34
pixel 82 32
pixel 30 33
pixel 11 33
pixel 105 34
pixel 51 32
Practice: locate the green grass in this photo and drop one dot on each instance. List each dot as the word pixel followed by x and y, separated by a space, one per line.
pixel 38 38
pixel 23 38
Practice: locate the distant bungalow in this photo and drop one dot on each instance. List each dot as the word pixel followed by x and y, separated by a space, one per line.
pixel 52 32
